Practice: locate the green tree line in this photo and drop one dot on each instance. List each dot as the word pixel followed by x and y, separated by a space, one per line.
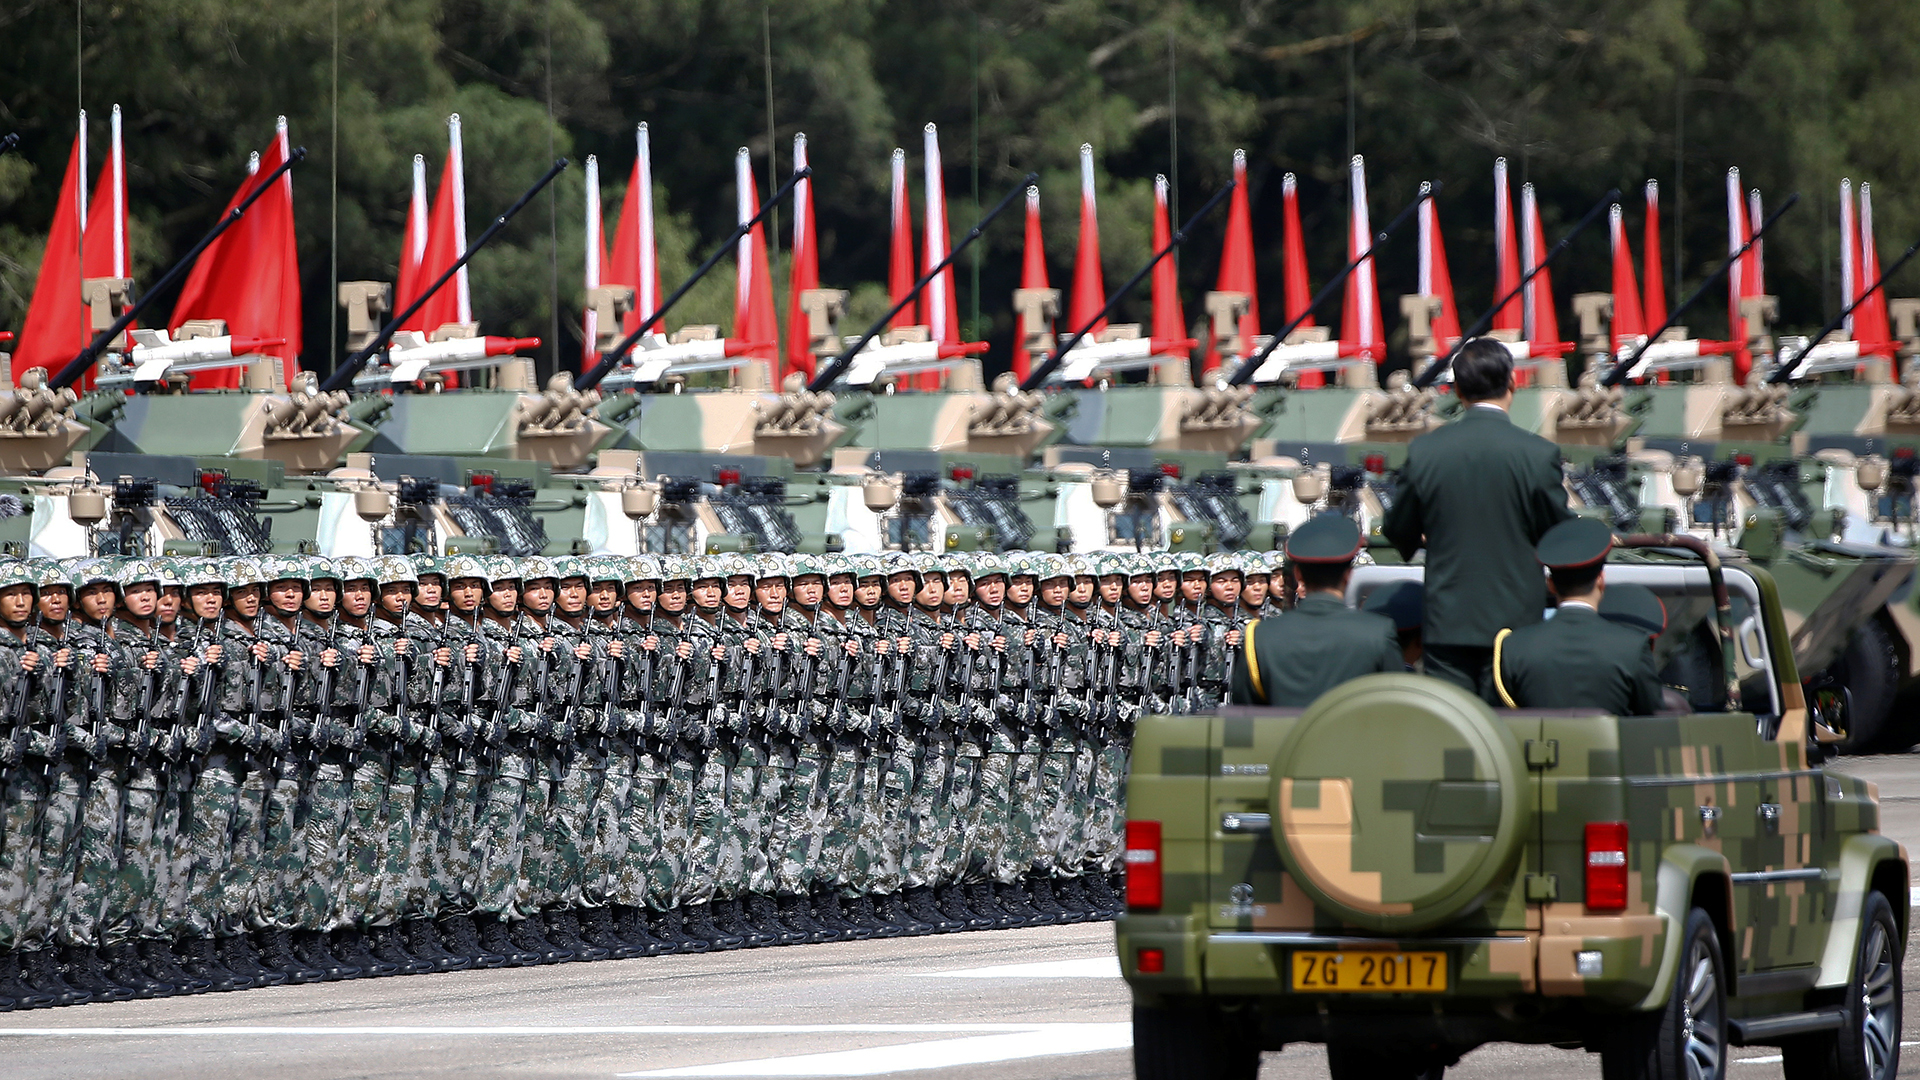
pixel 1579 95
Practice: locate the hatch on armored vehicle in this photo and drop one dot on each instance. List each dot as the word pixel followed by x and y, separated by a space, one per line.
pixel 1403 873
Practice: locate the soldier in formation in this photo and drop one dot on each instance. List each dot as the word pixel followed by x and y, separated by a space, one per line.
pixel 219 773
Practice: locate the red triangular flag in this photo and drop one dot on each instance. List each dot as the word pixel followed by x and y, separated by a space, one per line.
pixel 1739 277
pixel 804 272
pixel 635 262
pixel 1435 279
pixel 939 304
pixel 56 326
pixel 1169 322
pixel 1628 322
pixel 1033 275
pixel 446 242
pixel 1360 321
pixel 1089 287
pixel 1297 293
pixel 1543 320
pixel 1506 253
pixel 1654 310
pixel 753 318
pixel 1236 259
pixel 250 275
pixel 105 250
pixel 1870 320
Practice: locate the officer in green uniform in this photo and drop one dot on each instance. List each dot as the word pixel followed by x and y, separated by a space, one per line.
pixel 1477 494
pixel 1291 659
pixel 1577 659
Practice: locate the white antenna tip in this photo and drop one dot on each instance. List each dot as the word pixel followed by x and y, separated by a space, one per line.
pixel 930 128
pixel 1033 191
pixel 453 118
pixel 898 154
pixel 1358 161
pixel 1086 149
pixel 1240 158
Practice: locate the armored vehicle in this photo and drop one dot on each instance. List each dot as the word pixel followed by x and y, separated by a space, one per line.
pixel 1403 873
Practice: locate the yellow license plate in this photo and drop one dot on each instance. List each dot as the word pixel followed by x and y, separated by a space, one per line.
pixel 1369 972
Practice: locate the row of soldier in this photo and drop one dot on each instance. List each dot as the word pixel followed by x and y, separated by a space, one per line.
pixel 223 773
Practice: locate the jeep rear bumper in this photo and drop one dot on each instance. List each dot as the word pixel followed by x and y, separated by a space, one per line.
pixel 1486 974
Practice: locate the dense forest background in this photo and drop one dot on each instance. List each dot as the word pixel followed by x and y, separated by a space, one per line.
pixel 1579 95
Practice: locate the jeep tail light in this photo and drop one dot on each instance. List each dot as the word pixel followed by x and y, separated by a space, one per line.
pixel 1150 961
pixel 1606 865
pixel 1143 866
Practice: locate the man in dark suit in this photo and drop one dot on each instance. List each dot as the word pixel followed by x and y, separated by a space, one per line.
pixel 1293 658
pixel 1578 659
pixel 1477 494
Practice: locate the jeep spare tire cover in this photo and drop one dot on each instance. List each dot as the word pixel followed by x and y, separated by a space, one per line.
pixel 1399 801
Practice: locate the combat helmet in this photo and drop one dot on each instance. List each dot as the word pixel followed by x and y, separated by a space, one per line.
pixel 456 567
pixel 537 568
pixel 391 568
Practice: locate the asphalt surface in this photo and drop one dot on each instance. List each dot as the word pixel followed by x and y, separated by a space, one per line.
pixel 1014 1004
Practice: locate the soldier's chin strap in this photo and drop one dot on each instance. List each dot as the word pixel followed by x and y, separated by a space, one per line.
pixel 1499 684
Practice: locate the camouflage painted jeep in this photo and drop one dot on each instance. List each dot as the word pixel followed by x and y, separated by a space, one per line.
pixel 1403 874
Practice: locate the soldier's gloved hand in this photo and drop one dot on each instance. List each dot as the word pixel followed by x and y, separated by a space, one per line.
pixel 12 750
pixel 353 738
pixel 323 734
pixel 140 743
pixel 429 740
pixel 201 741
pixel 460 731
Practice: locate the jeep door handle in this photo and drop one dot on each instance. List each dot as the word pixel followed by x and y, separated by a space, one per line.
pixel 1770 818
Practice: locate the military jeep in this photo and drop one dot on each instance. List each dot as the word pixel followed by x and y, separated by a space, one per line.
pixel 1402 873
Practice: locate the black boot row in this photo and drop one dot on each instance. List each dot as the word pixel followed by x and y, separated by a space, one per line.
pixel 74 975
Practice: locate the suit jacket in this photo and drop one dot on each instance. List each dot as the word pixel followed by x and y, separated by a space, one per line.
pixel 1578 660
pixel 1293 658
pixel 1478 494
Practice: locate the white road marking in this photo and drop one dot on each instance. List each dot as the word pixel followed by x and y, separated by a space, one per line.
pixel 223 1030
pixel 1093 967
pixel 1043 1040
pixel 1775 1059
pixel 1913 897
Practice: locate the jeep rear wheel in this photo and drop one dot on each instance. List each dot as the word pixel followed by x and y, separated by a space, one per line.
pixel 1867 1044
pixel 1193 1042
pixel 1687 1038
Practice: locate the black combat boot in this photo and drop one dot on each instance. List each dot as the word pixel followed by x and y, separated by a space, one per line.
pixel 122 962
pixel 699 922
pixel 671 927
pixel 731 915
pixel 424 943
pixel 526 934
pixel 764 916
pixel 562 928
pixel 831 913
pixel 951 900
pixel 920 905
pixel 351 945
pixel 599 929
pixel 81 967
pixel 495 939
pixel 157 958
pixel 628 925
pixel 310 948
pixel 201 960
pixel 864 909
pixel 276 952
pixel 1040 893
pixel 1013 901
pixel 15 988
pixel 796 914
pixel 893 908
pixel 237 954
pixel 385 945
pixel 462 939
pixel 981 897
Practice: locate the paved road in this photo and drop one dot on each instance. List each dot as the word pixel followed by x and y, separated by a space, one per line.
pixel 1014 1004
